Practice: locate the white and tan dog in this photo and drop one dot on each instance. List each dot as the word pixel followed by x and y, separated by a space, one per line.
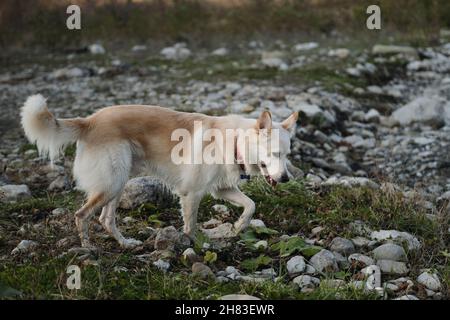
pixel 121 141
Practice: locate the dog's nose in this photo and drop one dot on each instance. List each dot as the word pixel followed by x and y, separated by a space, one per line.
pixel 284 178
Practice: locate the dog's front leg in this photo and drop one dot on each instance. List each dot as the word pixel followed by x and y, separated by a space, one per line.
pixel 237 198
pixel 189 207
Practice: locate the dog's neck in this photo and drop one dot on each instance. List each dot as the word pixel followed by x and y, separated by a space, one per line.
pixel 240 161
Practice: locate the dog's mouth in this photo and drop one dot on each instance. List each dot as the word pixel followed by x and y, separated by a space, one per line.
pixel 270 181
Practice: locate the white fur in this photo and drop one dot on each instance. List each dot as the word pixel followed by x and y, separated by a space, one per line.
pixel 49 134
pixel 105 168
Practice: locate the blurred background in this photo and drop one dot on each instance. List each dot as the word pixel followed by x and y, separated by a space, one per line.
pixel 41 22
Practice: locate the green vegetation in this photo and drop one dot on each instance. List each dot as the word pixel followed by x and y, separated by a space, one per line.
pixel 43 23
pixel 289 209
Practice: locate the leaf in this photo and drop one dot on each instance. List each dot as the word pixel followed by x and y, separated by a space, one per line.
pixel 253 264
pixel 290 246
pixel 265 230
pixel 445 254
pixel 249 236
pixel 200 239
pixel 210 257
pixel 309 251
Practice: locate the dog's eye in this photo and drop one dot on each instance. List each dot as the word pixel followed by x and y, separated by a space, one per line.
pixel 263 165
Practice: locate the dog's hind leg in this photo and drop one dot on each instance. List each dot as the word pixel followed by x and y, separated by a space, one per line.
pixel 85 213
pixel 108 220
pixel 237 198
pixel 189 207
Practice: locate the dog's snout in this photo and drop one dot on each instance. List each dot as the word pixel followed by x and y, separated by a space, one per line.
pixel 284 178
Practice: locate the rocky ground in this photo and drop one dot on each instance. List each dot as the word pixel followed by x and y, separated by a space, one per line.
pixel 367 216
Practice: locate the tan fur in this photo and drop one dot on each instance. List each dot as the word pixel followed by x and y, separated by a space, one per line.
pixel 121 140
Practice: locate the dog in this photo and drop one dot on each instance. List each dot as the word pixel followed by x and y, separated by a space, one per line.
pixel 118 142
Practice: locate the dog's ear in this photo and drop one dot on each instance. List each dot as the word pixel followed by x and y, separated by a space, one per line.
pixel 290 123
pixel 264 121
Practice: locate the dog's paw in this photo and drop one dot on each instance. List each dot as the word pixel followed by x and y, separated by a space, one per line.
pixel 130 243
pixel 240 226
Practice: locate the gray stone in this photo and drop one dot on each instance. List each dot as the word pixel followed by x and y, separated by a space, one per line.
pixel 167 238
pixel 202 270
pixel 342 245
pixel 222 231
pixel 390 251
pixel 296 265
pixel 393 49
pixel 324 261
pixel 305 281
pixel 12 192
pixel 238 297
pixel 141 190
pixel 361 260
pixel 392 267
pixel 161 265
pixel 60 183
pixel 407 297
pixel 176 52
pixel 429 110
pixel 402 237
pixel 257 223
pixel 24 246
pixel 429 280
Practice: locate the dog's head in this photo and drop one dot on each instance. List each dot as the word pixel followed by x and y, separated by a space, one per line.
pixel 268 146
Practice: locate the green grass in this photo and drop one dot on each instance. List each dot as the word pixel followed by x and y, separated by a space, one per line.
pixel 289 209
pixel 48 281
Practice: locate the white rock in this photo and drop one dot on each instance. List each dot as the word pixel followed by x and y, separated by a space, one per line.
pixel 342 246
pixel 390 251
pixel 296 265
pixel 373 277
pixel 140 190
pixel 220 52
pixel 429 280
pixel 273 59
pixel 407 297
pixel 257 223
pixel 361 259
pixel 424 110
pixel 96 49
pixel 306 46
pixel 222 231
pixel 24 246
pixel 392 267
pixel 351 182
pixel 305 281
pixel 162 265
pixel 341 53
pixel 221 209
pixel 412 242
pixel 12 192
pixel 176 52
pixel 238 297
pixel 190 255
pixel 324 261
pixel 392 49
pixel 59 212
pixel 372 116
pixel 138 48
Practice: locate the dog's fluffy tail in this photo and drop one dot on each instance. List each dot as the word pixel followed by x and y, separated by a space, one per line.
pixel 51 135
